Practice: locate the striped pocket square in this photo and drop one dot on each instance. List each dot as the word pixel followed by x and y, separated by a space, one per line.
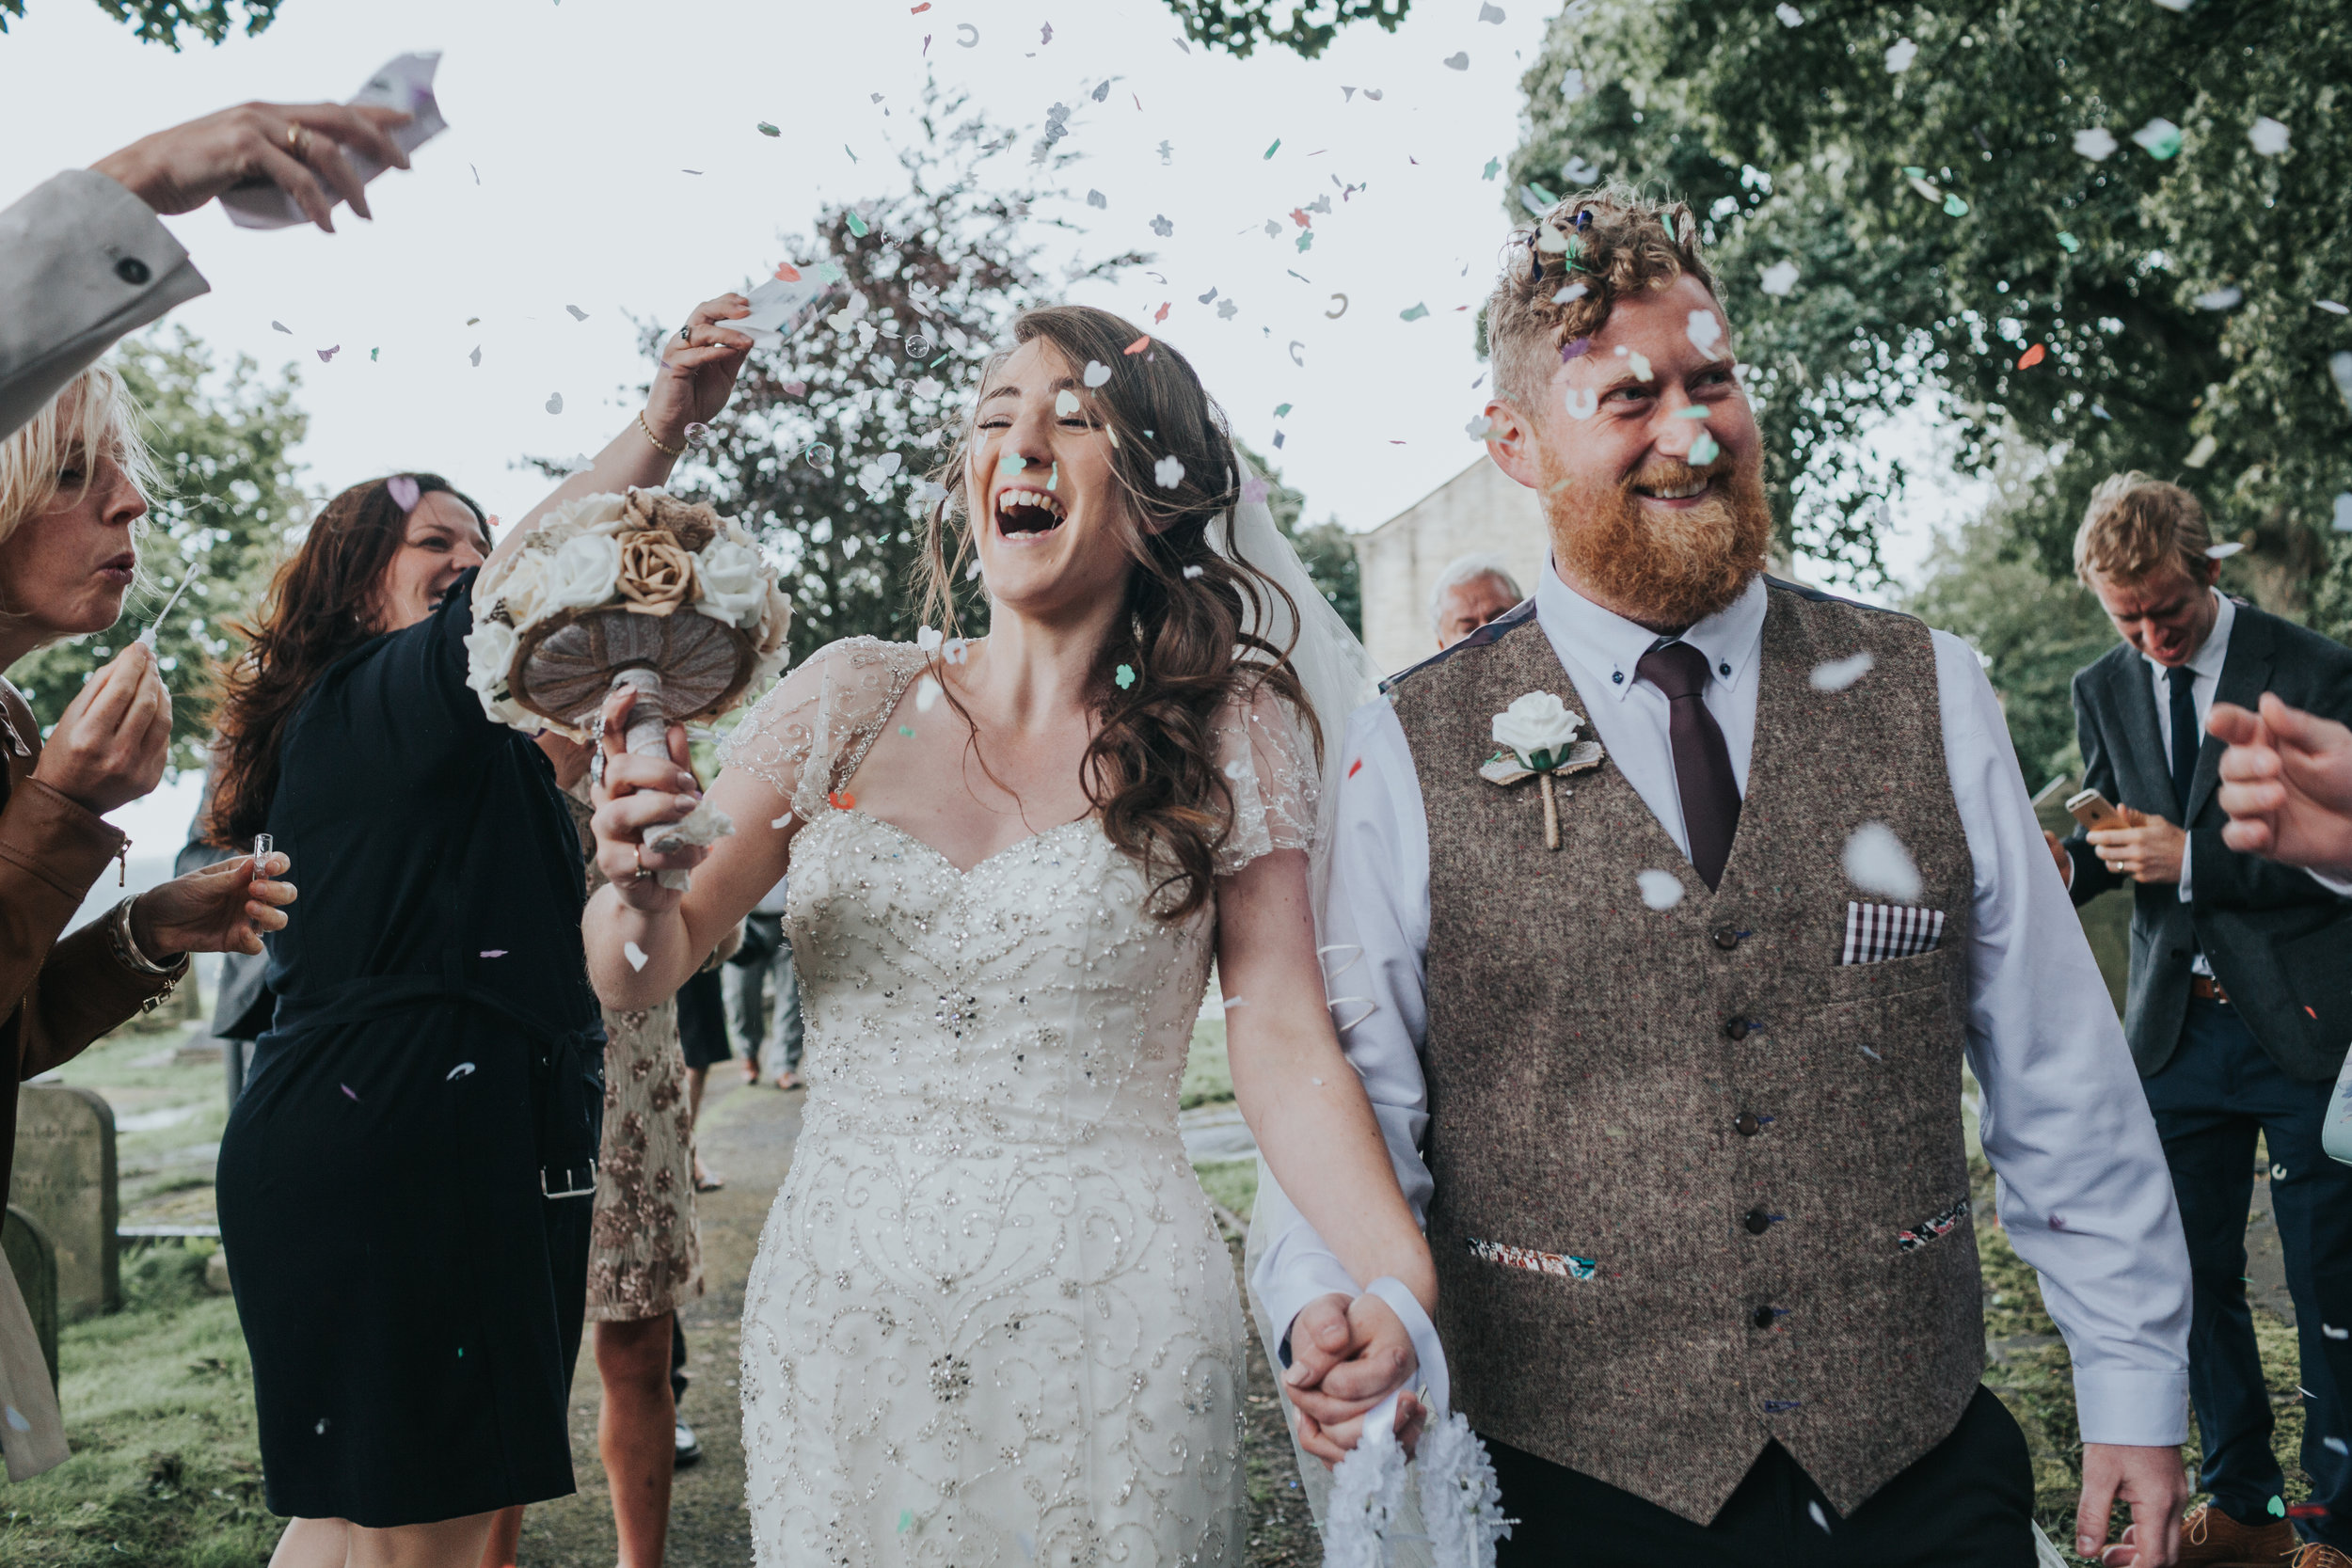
pixel 1877 932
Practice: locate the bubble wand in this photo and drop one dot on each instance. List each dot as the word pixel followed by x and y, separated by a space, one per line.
pixel 147 637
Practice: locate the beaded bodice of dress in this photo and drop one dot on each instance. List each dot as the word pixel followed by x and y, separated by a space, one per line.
pixel 992 1320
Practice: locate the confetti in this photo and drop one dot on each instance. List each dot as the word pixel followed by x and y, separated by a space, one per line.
pixel 906 1517
pixel 1538 200
pixel 1065 403
pixel 2097 144
pixel 1414 314
pixel 1254 491
pixel 1125 677
pixel 768 129
pixel 2160 137
pixel 2334 307
pixel 857 225
pixel 17 1421
pixel 778 823
pixel 1459 61
pixel 919 10
pixel 1161 314
pixel 321 1428
pixel 2223 552
pixel 1096 198
pixel 1478 428
pixel 1575 348
pixel 347 1089
pixel 634 954
pixel 2344 512
pixel 2202 454
pixel 1639 363
pixel 1788 14
pixel 577 315
pixel 460 1070
pixel 1489 13
pixel 2068 242
pixel 2334 1333
pixel 1704 450
pixel 1954 206
pixel 476 357
pixel 1494 166
pixel 1876 861
pixel 1872 1054
pixel 2221 298
pixel 1706 332
pixel 1194 571
pixel 1170 472
pixel 1778 280
pixel 2340 367
pixel 1815 1509
pixel 2031 358
pixel 1046 36
pixel 555 403
pixel 2334 1444
pixel 326 354
pixel 2268 136
pixel 1582 402
pixel 972 43
pixel 1837 674
pixel 1278 142
pixel 1140 344
pixel 2277 1506
pixel 281 326
pixel 1661 890
pixel 403 489
pixel 1297 359
pixel 1096 374
pixel 1900 54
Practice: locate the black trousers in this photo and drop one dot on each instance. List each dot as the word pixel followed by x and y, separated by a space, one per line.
pixel 2217 1091
pixel 1965 1503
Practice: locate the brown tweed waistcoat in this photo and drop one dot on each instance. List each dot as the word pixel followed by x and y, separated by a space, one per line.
pixel 1744 1157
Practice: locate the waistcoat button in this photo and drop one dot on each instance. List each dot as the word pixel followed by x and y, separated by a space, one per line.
pixel 1747 1126
pixel 1762 1316
pixel 1725 938
pixel 1758 1222
pixel 1737 1028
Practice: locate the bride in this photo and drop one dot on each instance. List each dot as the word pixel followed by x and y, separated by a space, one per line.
pixel 992 1321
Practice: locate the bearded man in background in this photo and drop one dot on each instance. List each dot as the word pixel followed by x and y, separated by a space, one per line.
pixel 1668 1044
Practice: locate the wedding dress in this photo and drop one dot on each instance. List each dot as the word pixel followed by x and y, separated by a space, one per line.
pixel 992 1321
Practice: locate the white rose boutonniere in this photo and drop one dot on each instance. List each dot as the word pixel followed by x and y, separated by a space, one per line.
pixel 583 572
pixel 1536 737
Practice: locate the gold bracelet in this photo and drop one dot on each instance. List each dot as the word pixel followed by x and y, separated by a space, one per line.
pixel 127 953
pixel 674 452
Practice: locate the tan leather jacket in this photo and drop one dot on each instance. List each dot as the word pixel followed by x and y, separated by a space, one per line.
pixel 55 997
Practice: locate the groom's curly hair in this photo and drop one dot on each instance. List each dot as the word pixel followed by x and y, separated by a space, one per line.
pixel 1152 771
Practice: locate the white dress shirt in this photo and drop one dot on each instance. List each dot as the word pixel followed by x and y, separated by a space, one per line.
pixel 2082 1182
pixel 2206 667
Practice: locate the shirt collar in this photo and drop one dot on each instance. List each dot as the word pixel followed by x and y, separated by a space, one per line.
pixel 2208 660
pixel 1583 634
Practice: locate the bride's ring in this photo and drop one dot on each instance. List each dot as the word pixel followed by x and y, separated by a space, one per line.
pixel 643 873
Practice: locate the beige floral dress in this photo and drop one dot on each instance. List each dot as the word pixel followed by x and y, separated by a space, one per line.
pixel 644 1255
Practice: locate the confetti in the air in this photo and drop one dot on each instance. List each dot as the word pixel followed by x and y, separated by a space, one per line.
pixel 1661 890
pixel 1125 677
pixel 1278 142
pixel 2334 307
pixel 1460 60
pixel 634 954
pixel 1704 450
pixel 1836 674
pixel 347 1089
pixel 972 43
pixel 460 1070
pixel 2160 137
pixel 2031 358
pixel 1489 13
pixel 1788 14
pixel 1194 571
pixel 1096 198
pixel 2344 512
pixel 476 357
pixel 2268 136
pixel 1706 332
pixel 1639 363
pixel 281 326
pixel 1065 403
pixel 768 129
pixel 555 403
pixel 1819 1517
pixel 1779 279
pixel 326 354
pixel 1570 295
pixel 2097 144
pixel 1096 374
pixel 1161 227
pixel 577 315
pixel 1170 472
pixel 2202 454
pixel 17 1421
pixel 927 695
pixel 2221 298
pixel 1900 54
pixel 1876 861
pixel 2223 552
pixel 2334 1444
pixel 403 489
pixel 2334 1333
pixel 2340 367
pixel 1479 426
pixel 1414 314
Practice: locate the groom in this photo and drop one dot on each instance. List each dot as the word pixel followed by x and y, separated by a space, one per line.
pixel 1686 1089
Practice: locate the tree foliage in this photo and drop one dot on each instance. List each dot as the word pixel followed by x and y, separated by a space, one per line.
pixel 933 275
pixel 1306 27
pixel 162 21
pixel 1325 549
pixel 230 504
pixel 2175 300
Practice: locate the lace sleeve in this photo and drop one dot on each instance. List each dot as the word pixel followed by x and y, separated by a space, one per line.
pixel 1269 760
pixel 801 734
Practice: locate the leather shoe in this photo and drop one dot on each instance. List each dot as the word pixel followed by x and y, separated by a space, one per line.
pixel 2313 1555
pixel 689 1451
pixel 2210 1538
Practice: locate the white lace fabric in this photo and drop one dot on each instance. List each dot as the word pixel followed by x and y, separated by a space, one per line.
pixel 992 1321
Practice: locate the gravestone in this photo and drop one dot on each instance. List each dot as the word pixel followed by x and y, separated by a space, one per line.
pixel 34 1262
pixel 64 1179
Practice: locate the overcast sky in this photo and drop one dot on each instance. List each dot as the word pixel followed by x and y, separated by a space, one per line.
pixel 563 182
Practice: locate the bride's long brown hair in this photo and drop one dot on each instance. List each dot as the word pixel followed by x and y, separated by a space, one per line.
pixel 1151 770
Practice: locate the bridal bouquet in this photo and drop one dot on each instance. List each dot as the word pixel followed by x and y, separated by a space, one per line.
pixel 611 584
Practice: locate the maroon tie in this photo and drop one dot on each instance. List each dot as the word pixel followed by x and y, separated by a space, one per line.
pixel 1710 796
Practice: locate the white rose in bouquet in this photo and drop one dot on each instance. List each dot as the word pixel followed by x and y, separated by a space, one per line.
pixel 1538 728
pixel 489 654
pixel 592 514
pixel 582 573
pixel 734 589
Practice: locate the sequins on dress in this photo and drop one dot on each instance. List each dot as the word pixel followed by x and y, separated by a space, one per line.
pixel 992 1321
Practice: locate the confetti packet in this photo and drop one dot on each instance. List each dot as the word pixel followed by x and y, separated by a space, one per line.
pixel 405 83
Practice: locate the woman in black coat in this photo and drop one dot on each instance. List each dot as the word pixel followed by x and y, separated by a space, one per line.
pixel 404 1185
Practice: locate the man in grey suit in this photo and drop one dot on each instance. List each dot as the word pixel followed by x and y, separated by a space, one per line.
pixel 83 259
pixel 2240 1001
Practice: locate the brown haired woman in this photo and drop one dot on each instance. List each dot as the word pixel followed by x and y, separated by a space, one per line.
pixel 992 1321
pixel 404 1183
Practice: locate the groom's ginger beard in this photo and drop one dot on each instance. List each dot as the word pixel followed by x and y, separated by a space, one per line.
pixel 1664 567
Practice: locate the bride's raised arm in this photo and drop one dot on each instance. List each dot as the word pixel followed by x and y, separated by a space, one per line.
pixel 644 939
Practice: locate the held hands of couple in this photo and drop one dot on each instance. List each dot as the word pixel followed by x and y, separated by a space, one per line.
pixel 1345 1357
pixel 222 909
pixel 633 795
pixel 2286 782
pixel 297 147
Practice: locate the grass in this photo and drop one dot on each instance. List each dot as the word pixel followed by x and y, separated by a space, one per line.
pixel 1231 1182
pixel 165 1471
pixel 168 1118
pixel 1208 1077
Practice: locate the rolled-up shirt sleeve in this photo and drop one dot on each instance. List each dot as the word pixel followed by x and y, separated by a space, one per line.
pixel 2082 1185
pixel 1376 934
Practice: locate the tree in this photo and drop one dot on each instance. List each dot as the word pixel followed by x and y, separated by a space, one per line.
pixel 1912 173
pixel 160 20
pixel 230 503
pixel 1303 26
pixel 1325 549
pixel 824 457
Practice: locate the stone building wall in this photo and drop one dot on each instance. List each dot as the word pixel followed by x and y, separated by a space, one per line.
pixel 1481 508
